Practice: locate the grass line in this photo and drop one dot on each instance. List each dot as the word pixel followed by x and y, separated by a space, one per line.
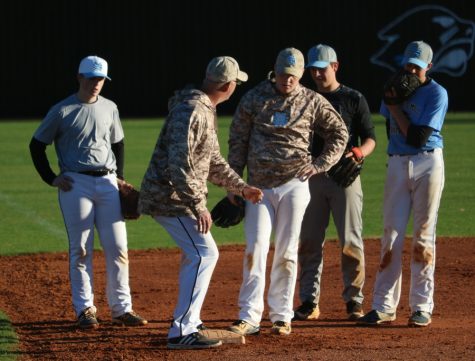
pixel 32 216
pixel 8 339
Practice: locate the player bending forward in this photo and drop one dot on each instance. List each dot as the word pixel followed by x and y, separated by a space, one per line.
pixel 174 191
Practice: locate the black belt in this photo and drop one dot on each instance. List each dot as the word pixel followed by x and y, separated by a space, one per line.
pixel 405 155
pixel 97 173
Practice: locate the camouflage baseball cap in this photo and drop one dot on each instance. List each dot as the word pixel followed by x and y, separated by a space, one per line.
pixel 418 53
pixel 224 69
pixel 290 61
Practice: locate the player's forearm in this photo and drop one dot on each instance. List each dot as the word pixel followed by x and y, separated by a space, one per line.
pixel 118 150
pixel 222 175
pixel 367 146
pixel 225 177
pixel 237 159
pixel 418 135
pixel 192 198
pixel 238 143
pixel 335 137
pixel 400 118
pixel 40 161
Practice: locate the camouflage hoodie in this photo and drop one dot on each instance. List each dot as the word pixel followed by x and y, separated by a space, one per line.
pixel 271 134
pixel 186 156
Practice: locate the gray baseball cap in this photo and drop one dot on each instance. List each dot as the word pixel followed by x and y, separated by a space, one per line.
pixel 320 56
pixel 290 61
pixel 224 69
pixel 418 53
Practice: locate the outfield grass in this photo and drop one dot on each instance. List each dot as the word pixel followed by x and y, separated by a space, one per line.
pixel 31 219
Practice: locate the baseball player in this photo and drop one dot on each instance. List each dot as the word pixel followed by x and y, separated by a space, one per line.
pixel 345 204
pixel 174 191
pixel 270 135
pixel 414 182
pixel 88 138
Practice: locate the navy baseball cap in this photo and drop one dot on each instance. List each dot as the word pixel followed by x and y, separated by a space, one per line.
pixel 418 53
pixel 93 66
pixel 320 56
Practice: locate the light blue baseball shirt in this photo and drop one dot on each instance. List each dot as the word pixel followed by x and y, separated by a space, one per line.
pixel 427 106
pixel 82 133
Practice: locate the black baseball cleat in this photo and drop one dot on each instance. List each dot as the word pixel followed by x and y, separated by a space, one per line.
pixel 87 319
pixel 306 311
pixel 354 310
pixel 192 341
pixel 376 318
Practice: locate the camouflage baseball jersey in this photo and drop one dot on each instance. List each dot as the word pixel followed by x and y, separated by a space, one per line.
pixel 271 134
pixel 186 156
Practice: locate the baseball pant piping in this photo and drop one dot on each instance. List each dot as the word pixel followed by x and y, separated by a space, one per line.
pixel 199 257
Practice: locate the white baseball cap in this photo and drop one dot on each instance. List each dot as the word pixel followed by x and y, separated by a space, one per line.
pixel 320 56
pixel 93 66
pixel 224 69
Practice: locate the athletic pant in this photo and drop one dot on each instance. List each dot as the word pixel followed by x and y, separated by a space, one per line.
pixel 345 205
pixel 414 183
pixel 281 211
pixel 94 201
pixel 199 257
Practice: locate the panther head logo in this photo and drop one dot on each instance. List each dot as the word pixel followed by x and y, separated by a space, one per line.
pixel 451 39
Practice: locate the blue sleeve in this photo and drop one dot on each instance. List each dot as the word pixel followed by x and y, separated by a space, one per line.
pixel 436 109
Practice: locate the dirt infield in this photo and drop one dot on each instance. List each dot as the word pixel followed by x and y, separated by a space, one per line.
pixel 35 295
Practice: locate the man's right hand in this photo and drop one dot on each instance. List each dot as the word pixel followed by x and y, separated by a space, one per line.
pixel 308 171
pixel 204 222
pixel 252 194
pixel 63 182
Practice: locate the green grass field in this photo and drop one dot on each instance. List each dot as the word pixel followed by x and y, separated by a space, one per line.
pixel 31 220
pixel 8 339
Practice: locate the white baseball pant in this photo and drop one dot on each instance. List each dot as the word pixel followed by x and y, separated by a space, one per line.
pixel 94 201
pixel 281 211
pixel 413 183
pixel 199 258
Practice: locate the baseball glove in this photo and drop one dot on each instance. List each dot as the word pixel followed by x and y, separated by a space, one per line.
pixel 225 214
pixel 129 200
pixel 400 86
pixel 347 169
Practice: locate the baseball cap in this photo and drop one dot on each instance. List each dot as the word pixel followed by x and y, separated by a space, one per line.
pixel 93 66
pixel 418 53
pixel 224 69
pixel 290 61
pixel 320 56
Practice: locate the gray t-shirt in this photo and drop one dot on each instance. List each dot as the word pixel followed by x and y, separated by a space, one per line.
pixel 82 133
